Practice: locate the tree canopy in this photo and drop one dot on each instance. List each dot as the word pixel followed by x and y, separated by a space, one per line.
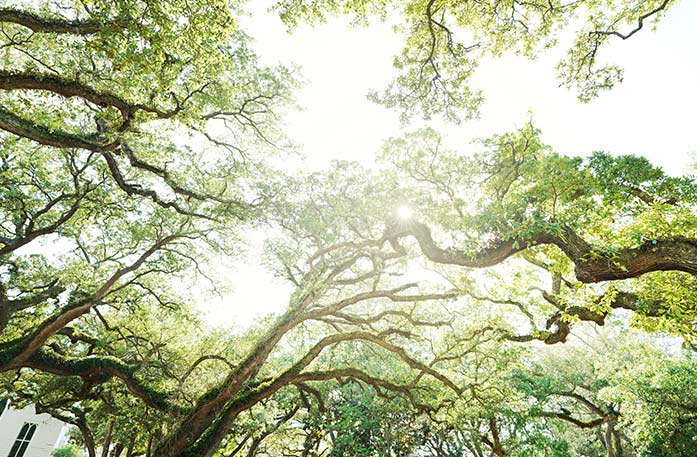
pixel 511 301
pixel 445 40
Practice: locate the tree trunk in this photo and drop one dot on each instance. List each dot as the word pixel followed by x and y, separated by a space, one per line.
pixel 118 450
pixel 87 438
pixel 107 440
pixel 131 446
pixel 148 450
pixel 498 450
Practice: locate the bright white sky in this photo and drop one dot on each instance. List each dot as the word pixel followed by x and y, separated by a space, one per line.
pixel 652 113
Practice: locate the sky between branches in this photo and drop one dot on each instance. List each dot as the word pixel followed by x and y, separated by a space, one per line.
pixel 652 113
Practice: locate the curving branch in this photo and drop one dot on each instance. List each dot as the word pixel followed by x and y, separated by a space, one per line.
pixel 206 423
pixel 70 88
pixel 31 232
pixel 107 149
pixel 353 373
pixel 586 402
pixel 199 361
pixel 569 418
pixel 640 22
pixel 136 162
pixel 10 306
pixel 406 316
pixel 591 264
pixel 557 328
pixel 374 339
pixel 58 139
pixel 209 442
pixel 137 189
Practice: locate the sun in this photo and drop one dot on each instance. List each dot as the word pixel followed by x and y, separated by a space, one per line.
pixel 405 213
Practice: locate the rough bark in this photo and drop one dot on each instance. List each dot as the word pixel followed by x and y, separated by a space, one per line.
pixel 27 129
pixel 107 440
pixel 41 24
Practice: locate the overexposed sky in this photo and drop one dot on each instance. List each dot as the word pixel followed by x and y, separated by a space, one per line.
pixel 652 113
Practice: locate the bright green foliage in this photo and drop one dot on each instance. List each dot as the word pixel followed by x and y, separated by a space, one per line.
pixel 157 346
pixel 178 60
pixel 519 190
pixel 565 401
pixel 126 128
pixel 659 405
pixel 67 451
pixel 562 402
pixel 366 426
pixel 133 142
pixel 517 185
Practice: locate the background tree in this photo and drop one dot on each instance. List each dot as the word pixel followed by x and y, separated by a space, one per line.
pixel 520 216
pixel 552 238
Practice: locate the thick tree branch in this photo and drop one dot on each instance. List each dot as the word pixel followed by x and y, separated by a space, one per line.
pixel 70 88
pixel 211 408
pixel 27 129
pixel 591 265
pixel 569 418
pixel 39 24
pixel 217 432
pixel 102 368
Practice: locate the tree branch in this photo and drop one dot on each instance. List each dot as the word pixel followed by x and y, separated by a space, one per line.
pixel 591 265
pixel 40 24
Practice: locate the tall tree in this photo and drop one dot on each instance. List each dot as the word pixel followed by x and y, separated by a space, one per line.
pixel 104 106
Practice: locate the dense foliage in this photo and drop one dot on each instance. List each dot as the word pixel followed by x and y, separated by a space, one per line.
pixel 431 298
